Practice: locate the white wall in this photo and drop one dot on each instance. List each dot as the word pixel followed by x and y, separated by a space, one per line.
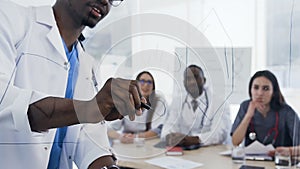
pixel 34 2
pixel 225 24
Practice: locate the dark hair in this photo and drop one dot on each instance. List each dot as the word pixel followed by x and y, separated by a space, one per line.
pixel 151 100
pixel 146 72
pixel 277 100
pixel 197 67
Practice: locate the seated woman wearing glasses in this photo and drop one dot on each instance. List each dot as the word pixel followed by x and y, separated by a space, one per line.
pixel 266 117
pixel 149 124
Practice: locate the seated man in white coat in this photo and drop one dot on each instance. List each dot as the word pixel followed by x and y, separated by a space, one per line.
pixel 51 112
pixel 193 121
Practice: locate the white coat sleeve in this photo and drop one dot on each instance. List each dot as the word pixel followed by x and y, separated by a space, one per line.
pixel 220 128
pixel 92 143
pixel 159 115
pixel 14 100
pixel 115 125
pixel 171 123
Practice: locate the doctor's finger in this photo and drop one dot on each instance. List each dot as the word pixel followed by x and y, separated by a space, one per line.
pixel 123 101
pixel 124 106
pixel 136 94
pixel 133 112
pixel 132 87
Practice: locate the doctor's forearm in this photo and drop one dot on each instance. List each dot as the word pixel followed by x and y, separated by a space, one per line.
pixel 54 112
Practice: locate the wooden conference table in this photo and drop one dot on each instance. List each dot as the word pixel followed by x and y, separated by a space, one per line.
pixel 133 156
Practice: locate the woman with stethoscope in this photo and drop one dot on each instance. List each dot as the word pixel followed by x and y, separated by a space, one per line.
pixel 266 117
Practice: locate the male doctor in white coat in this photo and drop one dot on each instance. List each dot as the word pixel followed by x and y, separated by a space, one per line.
pixel 37 46
pixel 197 122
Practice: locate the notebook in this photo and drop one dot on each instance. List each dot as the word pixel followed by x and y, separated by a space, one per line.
pixel 174 151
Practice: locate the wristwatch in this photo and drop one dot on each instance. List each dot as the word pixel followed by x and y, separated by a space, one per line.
pixel 110 167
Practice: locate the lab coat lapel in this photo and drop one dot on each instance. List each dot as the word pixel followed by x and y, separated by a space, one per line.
pixel 44 18
pixel 85 76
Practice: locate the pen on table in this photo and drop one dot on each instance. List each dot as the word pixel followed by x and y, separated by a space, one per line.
pixel 146 106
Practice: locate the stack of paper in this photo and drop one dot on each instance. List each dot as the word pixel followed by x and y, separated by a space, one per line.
pixel 173 163
pixel 258 151
pixel 254 151
pixel 258 148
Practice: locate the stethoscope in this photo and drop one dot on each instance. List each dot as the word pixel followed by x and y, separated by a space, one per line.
pixel 252 134
pixel 203 111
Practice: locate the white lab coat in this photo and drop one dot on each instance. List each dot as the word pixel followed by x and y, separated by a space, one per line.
pixel 182 119
pixel 33 65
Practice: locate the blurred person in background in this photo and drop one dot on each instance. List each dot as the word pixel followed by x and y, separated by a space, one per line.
pixel 197 123
pixel 150 123
pixel 266 117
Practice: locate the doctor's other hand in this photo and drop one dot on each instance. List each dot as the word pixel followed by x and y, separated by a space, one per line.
pixel 174 139
pixel 118 98
pixel 178 139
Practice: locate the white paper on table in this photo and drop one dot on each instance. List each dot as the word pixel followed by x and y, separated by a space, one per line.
pixel 226 153
pixel 173 163
pixel 258 148
pixel 255 148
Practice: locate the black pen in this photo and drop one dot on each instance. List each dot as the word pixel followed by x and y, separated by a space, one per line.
pixel 146 106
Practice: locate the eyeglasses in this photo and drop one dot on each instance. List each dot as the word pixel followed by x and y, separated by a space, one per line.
pixel 115 3
pixel 148 82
